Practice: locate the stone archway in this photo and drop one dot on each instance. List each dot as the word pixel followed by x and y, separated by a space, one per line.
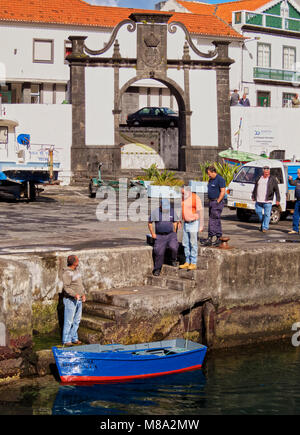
pixel 152 62
pixel 184 112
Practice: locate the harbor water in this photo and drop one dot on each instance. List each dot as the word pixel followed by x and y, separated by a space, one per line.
pixel 262 379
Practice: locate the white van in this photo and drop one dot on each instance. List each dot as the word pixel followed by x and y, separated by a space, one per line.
pixel 239 193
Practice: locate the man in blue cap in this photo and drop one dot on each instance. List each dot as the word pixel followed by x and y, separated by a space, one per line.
pixel 164 235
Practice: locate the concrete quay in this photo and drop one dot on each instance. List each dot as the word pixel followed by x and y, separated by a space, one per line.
pixel 249 293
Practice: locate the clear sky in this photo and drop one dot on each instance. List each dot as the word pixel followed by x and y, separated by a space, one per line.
pixel 138 4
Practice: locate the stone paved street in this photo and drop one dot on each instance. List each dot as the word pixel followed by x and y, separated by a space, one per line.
pixel 64 218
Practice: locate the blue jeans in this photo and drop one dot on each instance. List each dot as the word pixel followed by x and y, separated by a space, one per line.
pixel 265 207
pixel 72 317
pixel 190 241
pixel 296 216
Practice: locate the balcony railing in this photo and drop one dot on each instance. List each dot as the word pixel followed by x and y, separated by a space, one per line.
pixel 265 20
pixel 276 75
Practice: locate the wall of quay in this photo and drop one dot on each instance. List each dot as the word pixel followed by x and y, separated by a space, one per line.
pixel 243 296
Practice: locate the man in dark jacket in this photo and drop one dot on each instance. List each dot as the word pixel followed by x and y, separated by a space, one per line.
pixel 244 101
pixel 296 215
pixel 263 193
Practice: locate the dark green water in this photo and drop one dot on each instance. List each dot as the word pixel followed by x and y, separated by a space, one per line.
pixel 262 379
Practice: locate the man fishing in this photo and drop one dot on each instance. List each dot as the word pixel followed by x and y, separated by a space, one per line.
pixel 73 297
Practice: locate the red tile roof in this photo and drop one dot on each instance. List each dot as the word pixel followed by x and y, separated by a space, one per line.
pixel 80 13
pixel 205 25
pixel 224 10
pixel 197 7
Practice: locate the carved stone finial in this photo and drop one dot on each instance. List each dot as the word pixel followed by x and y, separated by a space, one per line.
pixel 116 53
pixel 186 52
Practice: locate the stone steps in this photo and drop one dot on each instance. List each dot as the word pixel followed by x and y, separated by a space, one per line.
pixel 97 309
pixel 169 283
pixel 176 279
pixel 112 299
pixel 106 309
pixel 96 323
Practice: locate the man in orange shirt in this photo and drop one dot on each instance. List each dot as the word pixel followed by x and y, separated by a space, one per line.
pixel 192 216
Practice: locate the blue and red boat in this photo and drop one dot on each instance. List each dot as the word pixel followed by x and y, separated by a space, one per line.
pixel 117 362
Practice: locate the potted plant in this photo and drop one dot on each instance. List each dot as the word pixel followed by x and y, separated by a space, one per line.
pixel 226 171
pixel 149 175
pixel 165 185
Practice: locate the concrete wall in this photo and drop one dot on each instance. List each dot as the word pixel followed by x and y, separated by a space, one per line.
pixel 256 294
pixel 236 279
pixel 243 296
pixel 35 281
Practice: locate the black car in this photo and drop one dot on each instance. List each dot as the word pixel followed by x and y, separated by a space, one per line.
pixel 153 116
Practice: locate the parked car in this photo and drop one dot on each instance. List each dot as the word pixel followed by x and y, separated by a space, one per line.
pixel 153 116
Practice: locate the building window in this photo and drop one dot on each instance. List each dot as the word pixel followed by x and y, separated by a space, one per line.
pixel 264 55
pixel 287 99
pixel 5 94
pixel 263 99
pixel 238 17
pixel 35 94
pixel 289 58
pixel 67 49
pixel 43 51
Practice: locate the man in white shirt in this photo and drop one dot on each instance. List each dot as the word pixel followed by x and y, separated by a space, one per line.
pixel 263 194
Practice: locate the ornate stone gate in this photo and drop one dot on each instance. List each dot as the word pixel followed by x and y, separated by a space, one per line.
pixel 151 62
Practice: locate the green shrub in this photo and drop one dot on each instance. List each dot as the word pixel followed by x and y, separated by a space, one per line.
pixel 150 173
pixel 167 178
pixel 203 167
pixel 226 170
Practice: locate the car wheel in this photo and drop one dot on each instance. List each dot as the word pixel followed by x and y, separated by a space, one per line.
pixel 172 124
pixel 275 215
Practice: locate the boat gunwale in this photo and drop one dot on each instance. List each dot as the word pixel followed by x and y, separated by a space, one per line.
pixel 120 356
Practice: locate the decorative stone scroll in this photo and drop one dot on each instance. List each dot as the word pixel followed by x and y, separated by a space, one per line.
pixel 131 28
pixel 172 29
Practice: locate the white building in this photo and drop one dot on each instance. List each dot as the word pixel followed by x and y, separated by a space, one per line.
pixel 267 63
pixel 35 77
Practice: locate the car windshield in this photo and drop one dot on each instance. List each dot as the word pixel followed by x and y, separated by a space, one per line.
pixel 168 111
pixel 249 174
